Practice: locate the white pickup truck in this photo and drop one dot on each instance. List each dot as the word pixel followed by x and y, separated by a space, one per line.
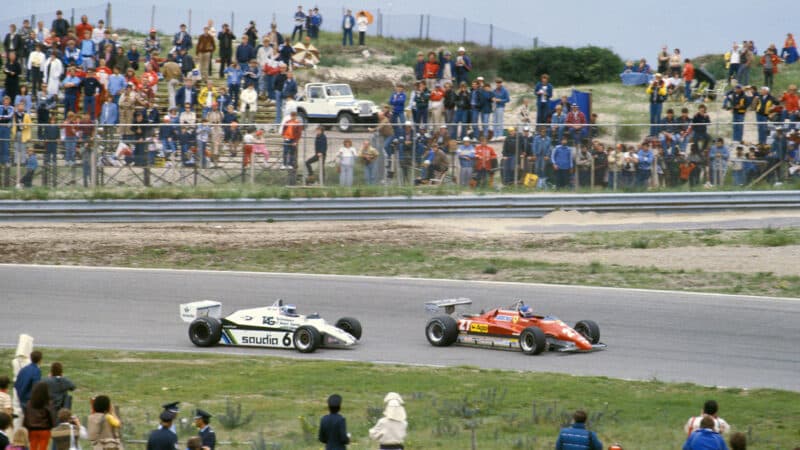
pixel 334 103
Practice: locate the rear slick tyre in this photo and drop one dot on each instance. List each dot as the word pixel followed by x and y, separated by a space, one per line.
pixel 442 331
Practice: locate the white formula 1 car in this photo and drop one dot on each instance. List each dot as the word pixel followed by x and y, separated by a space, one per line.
pixel 276 326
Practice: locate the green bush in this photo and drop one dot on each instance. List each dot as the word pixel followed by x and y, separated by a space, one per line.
pixel 565 65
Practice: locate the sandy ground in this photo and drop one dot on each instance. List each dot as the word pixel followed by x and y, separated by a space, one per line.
pixel 110 243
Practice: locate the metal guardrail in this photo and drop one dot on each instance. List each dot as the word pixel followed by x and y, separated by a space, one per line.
pixel 494 206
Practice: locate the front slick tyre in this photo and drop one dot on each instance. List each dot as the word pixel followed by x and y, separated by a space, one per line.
pixel 306 339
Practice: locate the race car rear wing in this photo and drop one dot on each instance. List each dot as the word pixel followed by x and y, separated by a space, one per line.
pixel 203 308
pixel 449 304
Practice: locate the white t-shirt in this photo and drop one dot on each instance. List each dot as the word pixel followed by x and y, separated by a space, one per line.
pixel 362 23
pixel 720 425
pixel 736 57
pixel 347 156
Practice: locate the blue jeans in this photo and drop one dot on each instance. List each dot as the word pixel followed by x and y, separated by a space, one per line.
pixel 422 116
pixel 69 104
pixel 687 90
pixel 50 155
pixel 233 90
pixel 371 172
pixel 485 123
pixel 278 107
pixel 498 120
pixel 738 128
pixel 655 117
pixel 5 144
pixel 347 36
pixel 508 170
pixel 542 113
pixel 763 129
pixel 462 119
pixel 289 152
pixel 89 105
pixel 70 143
pixel 738 177
pixel 642 177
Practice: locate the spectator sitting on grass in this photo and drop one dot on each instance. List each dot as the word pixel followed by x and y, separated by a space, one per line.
pixel 577 437
pixel 710 408
pixel 705 437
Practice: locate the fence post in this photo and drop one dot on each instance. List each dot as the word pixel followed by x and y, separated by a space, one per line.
pixel 380 23
pixel 108 15
pixel 189 23
pixel 428 28
pixel 233 16
pixel 464 30
pixel 491 35
pixel 516 158
pixel 421 24
pixel 153 16
pixel 93 167
pixel 72 17
pixel 591 174
pixel 535 42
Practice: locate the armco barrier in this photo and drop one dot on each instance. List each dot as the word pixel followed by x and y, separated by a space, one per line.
pixel 531 206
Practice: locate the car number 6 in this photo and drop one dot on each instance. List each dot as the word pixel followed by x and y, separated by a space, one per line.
pixel 287 340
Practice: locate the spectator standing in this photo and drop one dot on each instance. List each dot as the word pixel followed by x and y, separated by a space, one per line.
pixel 31 164
pixel 561 157
pixel 249 105
pixel 251 32
pixel 544 92
pixel 699 128
pixel 315 23
pixel 162 438
pixel 320 151
pixel 577 437
pixel 657 94
pixel 644 166
pixel 463 66
pixel 40 417
pixel 83 27
pixel 369 156
pixel 13 40
pixel 769 64
pixel 5 399
pixel 688 78
pixel 790 101
pixel 675 64
pixel 91 88
pixel 225 39
pixel 718 157
pixel 462 112
pixel 500 98
pixel 88 51
pixel 27 377
pixel 765 104
pixel 348 23
pixel 345 159
pixel 710 410
pixel 60 26
pixel 207 435
pixel 466 161
pixel 663 60
pixel 60 386
pixel 398 101
pixel 299 23
pixel 576 124
pixel 333 427
pixel 292 131
pixel 390 430
pixel 447 67
pixel 182 39
pixel 69 430
pixel 486 103
pixel 419 67
pixel 245 52
pixel 540 153
pixel 362 23
pixel 737 101
pixel 431 71
pixel 705 438
pixel 512 149
pixel 204 51
pixel 13 71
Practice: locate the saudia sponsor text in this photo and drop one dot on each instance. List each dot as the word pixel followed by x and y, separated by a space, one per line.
pixel 260 340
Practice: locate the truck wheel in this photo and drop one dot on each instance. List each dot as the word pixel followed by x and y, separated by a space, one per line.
pixel 205 331
pixel 442 331
pixel 589 330
pixel 345 122
pixel 306 339
pixel 532 341
pixel 349 325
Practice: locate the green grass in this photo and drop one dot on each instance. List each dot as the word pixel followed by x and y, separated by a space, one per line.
pixel 509 410
pixel 484 260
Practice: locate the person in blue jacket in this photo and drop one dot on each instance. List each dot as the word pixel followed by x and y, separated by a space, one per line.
pixel 486 102
pixel 544 92
pixel 348 23
pixel 705 438
pixel 333 427
pixel 27 377
pixel 398 103
pixel 561 157
pixel 500 99
pixel 643 170
pixel 577 437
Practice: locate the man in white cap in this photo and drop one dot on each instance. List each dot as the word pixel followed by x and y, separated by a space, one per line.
pixel 463 66
pixel 466 161
pixel 390 431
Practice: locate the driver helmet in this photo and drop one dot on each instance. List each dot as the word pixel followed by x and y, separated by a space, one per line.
pixel 289 310
pixel 526 311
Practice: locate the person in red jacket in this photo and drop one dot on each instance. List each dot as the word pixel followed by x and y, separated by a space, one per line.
pixel 292 131
pixel 485 162
pixel 82 28
pixel 688 77
pixel 791 104
pixel 431 72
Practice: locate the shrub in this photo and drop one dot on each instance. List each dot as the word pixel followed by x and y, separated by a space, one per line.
pixel 565 65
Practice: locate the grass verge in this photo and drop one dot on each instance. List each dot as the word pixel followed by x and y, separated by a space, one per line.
pixel 509 410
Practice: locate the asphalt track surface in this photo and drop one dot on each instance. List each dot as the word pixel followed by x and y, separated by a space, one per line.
pixel 707 339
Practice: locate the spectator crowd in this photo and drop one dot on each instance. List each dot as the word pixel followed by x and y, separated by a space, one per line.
pixel 81 88
pixel 46 417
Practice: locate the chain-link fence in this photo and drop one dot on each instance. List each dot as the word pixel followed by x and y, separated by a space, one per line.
pixel 470 155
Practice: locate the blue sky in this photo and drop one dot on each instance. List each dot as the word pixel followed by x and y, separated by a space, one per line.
pixel 631 28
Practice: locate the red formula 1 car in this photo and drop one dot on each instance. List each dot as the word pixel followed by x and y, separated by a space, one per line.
pixel 513 327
